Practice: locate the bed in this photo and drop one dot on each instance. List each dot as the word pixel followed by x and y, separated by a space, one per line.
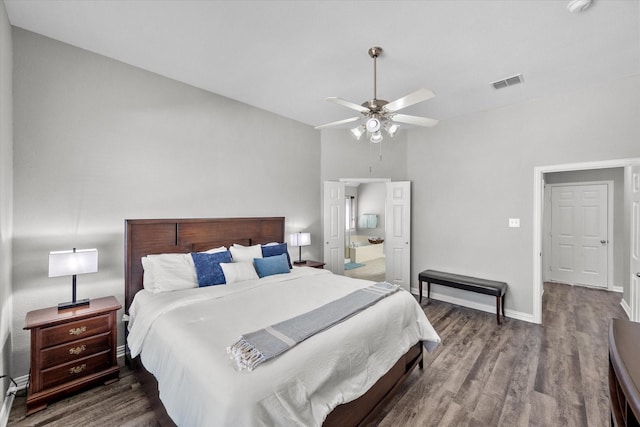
pixel 176 341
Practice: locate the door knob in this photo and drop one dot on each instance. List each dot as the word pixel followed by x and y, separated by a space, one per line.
pixel 638 274
pixel 604 242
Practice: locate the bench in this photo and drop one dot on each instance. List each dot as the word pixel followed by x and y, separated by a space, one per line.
pixel 467 283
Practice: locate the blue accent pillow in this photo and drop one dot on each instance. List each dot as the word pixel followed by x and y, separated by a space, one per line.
pixel 272 250
pixel 276 264
pixel 208 267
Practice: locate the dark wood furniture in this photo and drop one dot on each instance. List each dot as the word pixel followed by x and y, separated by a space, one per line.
pixel 467 283
pixel 71 349
pixel 312 264
pixel 624 373
pixel 154 236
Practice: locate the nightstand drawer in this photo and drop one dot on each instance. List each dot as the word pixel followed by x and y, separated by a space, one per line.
pixel 72 331
pixel 75 350
pixel 76 369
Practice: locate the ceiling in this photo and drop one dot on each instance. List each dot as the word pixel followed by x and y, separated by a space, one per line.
pixel 287 56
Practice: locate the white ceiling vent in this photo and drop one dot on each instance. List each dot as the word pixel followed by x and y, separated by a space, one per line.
pixel 509 81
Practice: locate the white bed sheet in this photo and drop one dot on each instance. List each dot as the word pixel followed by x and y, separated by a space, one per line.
pixel 182 338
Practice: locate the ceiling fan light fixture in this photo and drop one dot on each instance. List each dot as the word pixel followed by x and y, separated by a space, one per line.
pixel 391 128
pixel 376 137
pixel 373 124
pixel 358 131
pixel 577 6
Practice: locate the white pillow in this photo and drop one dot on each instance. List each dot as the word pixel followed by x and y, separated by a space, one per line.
pixel 169 272
pixel 238 271
pixel 241 253
pixel 215 250
pixel 147 275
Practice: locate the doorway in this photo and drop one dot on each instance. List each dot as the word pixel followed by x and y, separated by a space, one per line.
pixel 365 230
pixel 385 237
pixel 621 261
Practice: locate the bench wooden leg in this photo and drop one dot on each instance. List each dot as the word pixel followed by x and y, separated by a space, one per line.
pixel 503 305
pixel 420 293
pixel 500 307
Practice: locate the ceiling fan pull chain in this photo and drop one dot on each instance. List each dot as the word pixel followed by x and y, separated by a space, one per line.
pixel 370 158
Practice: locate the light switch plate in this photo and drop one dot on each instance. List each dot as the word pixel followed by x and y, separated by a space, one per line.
pixel 514 222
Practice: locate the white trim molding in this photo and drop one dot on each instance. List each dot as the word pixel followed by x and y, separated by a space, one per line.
pixel 120 351
pixel 21 384
pixel 6 409
pixel 626 308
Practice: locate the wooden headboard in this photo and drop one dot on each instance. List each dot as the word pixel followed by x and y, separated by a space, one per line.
pixel 155 236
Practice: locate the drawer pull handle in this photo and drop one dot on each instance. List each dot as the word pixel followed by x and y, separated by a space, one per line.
pixel 77 369
pixel 77 350
pixel 77 331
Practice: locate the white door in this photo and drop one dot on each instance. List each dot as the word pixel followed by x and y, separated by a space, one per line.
pixel 334 226
pixel 397 243
pixel 635 243
pixel 579 238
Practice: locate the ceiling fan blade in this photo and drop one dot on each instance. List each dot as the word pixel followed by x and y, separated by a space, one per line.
pixel 413 98
pixel 348 104
pixel 413 120
pixel 339 122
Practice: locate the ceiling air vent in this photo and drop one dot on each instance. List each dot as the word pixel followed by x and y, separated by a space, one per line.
pixel 509 81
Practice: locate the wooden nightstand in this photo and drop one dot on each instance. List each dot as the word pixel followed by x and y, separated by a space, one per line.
pixel 310 263
pixel 71 349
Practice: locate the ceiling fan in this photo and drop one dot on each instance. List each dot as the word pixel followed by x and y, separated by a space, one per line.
pixel 380 114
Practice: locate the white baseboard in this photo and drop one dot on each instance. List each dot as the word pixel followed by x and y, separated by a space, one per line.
pixel 488 308
pixel 6 409
pixel 618 289
pixel 626 308
pixel 120 351
pixel 21 384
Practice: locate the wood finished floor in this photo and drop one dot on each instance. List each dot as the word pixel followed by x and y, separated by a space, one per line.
pixel 517 374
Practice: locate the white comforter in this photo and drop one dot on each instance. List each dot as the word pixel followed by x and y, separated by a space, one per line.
pixel 182 338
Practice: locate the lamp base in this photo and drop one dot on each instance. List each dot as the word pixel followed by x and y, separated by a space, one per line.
pixel 299 262
pixel 72 304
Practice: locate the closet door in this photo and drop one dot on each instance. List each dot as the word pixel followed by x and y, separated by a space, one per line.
pixel 334 226
pixel 635 244
pixel 397 244
pixel 579 234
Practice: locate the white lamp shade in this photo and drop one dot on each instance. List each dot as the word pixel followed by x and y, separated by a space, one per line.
pixel 300 239
pixel 68 263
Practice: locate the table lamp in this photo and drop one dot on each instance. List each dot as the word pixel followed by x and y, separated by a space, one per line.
pixel 300 240
pixel 72 263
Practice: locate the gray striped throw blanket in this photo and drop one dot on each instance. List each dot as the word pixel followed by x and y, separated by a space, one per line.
pixel 256 347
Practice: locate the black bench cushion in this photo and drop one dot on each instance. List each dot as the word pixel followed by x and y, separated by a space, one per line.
pixel 474 284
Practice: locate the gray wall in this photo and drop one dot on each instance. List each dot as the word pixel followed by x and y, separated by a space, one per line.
pixel 372 198
pixel 97 141
pixel 470 174
pixel 6 193
pixel 345 157
pixel 619 239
